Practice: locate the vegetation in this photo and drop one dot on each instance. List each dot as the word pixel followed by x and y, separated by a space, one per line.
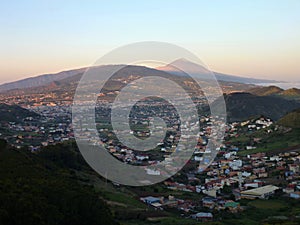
pixel 292 119
pixel 264 91
pixel 242 106
pixel 14 113
pixel 292 93
pixel 283 139
pixel 34 190
pixel 56 186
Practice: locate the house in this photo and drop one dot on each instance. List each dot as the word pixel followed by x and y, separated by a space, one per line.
pixel 295 195
pixel 235 164
pixel 153 172
pixel 251 185
pixel 142 157
pixel 203 216
pixel 263 175
pixel 294 168
pixel 261 192
pixel 151 200
pixel 208 202
pixel 232 206
pixel 259 170
pixel 250 147
pixel 288 190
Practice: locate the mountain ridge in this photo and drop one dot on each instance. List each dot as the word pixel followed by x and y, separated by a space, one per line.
pixel 45 79
pixel 201 71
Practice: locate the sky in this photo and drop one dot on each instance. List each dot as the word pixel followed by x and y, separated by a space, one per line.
pixel 257 38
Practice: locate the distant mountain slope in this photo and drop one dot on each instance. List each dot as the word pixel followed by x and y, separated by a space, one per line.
pixel 264 91
pixel 14 113
pixel 292 119
pixel 242 106
pixel 72 82
pixel 201 72
pixel 39 80
pixel 292 93
pixel 245 80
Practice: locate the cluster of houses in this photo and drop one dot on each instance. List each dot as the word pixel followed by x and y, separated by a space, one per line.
pixel 52 127
pixel 254 176
pixel 231 178
pixel 32 99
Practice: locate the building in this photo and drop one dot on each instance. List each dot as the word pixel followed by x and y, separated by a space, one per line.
pixel 208 202
pixel 261 192
pixel 151 200
pixel 295 195
pixel 203 216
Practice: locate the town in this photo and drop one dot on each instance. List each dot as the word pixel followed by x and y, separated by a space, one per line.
pixel 237 172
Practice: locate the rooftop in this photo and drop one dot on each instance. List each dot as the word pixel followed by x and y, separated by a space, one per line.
pixel 261 190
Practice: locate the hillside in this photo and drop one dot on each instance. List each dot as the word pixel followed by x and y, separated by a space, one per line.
pixel 241 106
pixel 292 93
pixel 292 119
pixel 14 113
pixel 199 71
pixel 39 80
pixel 35 190
pixel 265 91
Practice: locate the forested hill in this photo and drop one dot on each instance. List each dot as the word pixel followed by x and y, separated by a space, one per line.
pixel 37 191
pixel 15 113
pixel 292 119
pixel 242 106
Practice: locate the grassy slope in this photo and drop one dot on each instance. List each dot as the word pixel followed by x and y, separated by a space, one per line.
pixel 270 142
pixel 292 119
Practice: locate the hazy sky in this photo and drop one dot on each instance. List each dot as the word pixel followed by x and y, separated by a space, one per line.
pixel 255 38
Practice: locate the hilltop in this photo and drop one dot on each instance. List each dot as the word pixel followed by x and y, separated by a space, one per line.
pixel 292 119
pixel 292 93
pixel 265 91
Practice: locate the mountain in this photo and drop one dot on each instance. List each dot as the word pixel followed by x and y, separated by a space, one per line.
pixel 40 80
pixel 242 106
pixel 292 119
pixel 193 69
pixel 15 113
pixel 201 72
pixel 64 89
